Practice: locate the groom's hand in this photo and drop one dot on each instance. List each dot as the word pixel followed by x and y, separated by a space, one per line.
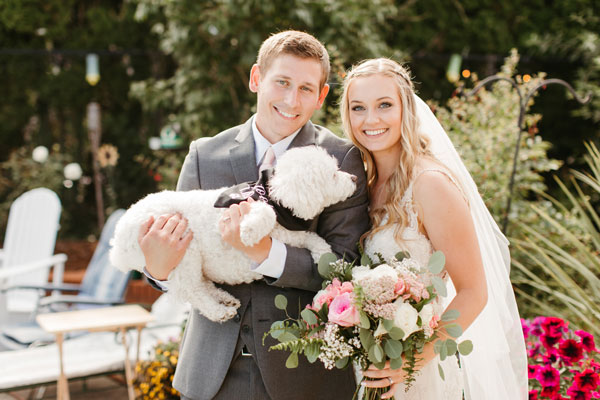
pixel 164 241
pixel 229 226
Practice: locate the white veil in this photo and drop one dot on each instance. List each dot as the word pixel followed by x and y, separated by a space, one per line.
pixel 497 367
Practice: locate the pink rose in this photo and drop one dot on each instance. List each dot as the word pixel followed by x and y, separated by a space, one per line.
pixel 342 310
pixel 433 323
pixel 334 289
pixel 401 287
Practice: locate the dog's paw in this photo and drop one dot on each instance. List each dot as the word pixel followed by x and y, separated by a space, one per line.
pixel 257 224
pixel 229 313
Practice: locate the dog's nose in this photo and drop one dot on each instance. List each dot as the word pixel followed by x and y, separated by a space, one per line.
pixel 354 178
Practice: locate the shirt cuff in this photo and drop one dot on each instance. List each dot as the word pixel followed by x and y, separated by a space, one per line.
pixel 275 263
pixel 164 285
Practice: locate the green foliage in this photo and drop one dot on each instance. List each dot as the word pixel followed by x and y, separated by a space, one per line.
pixel 215 44
pixel 484 131
pixel 44 96
pixel 566 279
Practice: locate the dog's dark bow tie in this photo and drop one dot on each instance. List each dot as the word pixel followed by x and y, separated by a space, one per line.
pixel 259 191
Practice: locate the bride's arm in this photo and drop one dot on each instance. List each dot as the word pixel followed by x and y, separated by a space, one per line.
pixel 447 221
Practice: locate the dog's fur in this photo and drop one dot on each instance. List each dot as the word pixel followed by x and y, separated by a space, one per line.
pixel 305 180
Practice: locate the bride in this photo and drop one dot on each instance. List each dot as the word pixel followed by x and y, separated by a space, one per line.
pixel 422 199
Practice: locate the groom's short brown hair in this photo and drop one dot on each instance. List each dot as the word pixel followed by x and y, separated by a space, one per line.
pixel 296 43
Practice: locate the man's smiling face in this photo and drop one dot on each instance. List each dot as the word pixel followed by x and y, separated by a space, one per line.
pixel 287 95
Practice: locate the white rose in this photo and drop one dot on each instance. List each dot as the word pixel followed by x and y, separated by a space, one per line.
pixel 72 171
pixel 360 272
pixel 427 312
pixel 405 317
pixel 40 154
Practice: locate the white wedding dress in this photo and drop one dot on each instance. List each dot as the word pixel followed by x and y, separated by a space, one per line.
pixel 428 384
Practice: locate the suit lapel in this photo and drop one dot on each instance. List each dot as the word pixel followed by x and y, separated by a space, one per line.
pixel 305 137
pixel 243 160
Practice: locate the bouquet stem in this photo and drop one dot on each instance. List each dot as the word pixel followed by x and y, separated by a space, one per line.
pixel 368 393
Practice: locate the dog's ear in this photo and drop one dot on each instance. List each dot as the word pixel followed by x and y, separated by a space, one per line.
pixel 302 180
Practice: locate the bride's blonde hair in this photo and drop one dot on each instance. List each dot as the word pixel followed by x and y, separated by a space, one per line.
pixel 414 144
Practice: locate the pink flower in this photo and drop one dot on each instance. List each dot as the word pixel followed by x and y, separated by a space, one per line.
pixel 550 391
pixel 401 287
pixel 533 394
pixel 433 323
pixel 532 371
pixel 587 340
pixel 587 380
pixel 332 290
pixel 533 350
pixel 570 351
pixel 554 326
pixel 342 310
pixel 577 393
pixel 525 327
pixel 548 376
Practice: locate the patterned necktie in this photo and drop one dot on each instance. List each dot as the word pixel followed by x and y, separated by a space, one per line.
pixel 268 160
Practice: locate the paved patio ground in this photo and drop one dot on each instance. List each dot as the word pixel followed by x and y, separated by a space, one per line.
pixel 97 388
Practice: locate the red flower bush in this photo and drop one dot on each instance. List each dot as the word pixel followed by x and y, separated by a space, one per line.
pixel 562 363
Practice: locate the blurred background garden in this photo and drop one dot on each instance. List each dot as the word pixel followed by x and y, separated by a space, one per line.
pixel 100 100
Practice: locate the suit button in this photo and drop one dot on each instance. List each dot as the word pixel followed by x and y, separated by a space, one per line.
pixel 237 318
pixel 245 329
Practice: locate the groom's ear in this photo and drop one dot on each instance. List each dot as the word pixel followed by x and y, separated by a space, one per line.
pixel 322 95
pixel 254 78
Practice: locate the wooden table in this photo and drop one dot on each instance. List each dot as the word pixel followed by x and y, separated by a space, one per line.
pixel 118 318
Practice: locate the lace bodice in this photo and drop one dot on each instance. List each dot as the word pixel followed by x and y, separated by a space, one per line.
pixel 428 385
pixel 414 242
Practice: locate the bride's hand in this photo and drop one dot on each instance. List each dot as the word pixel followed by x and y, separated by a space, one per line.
pixel 383 378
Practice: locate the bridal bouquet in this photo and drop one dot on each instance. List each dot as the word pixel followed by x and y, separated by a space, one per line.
pixel 372 313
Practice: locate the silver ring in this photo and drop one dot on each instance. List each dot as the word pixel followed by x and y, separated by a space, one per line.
pixel 226 219
pixel 391 381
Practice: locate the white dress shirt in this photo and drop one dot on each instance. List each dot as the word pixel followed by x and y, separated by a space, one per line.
pixel 274 264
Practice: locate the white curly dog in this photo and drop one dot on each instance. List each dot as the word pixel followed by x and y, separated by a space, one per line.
pixel 305 181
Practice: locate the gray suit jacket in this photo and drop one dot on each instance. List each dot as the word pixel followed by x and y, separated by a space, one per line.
pixel 208 347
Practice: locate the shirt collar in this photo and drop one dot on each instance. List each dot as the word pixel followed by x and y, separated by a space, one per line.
pixel 262 144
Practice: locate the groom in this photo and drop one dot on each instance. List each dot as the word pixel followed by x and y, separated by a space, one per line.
pixel 228 360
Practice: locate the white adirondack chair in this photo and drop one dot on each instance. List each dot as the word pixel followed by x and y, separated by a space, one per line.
pixel 27 257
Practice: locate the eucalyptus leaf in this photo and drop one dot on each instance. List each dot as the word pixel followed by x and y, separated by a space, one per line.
pixel 312 352
pixel 441 371
pixel 287 336
pixel 366 339
pixel 292 361
pixel 439 285
pixel 396 363
pixel 324 267
pixel 465 347
pixel 342 362
pixel 281 302
pixel 388 324
pixel 393 348
pixel 309 316
pixel 364 320
pixel 450 315
pixel 371 354
pixel 401 255
pixel 378 352
pixel 277 328
pixel 396 333
pixel 437 346
pixel 437 262
pixel 443 351
pixel 379 365
pixel 453 330
pixel 451 347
